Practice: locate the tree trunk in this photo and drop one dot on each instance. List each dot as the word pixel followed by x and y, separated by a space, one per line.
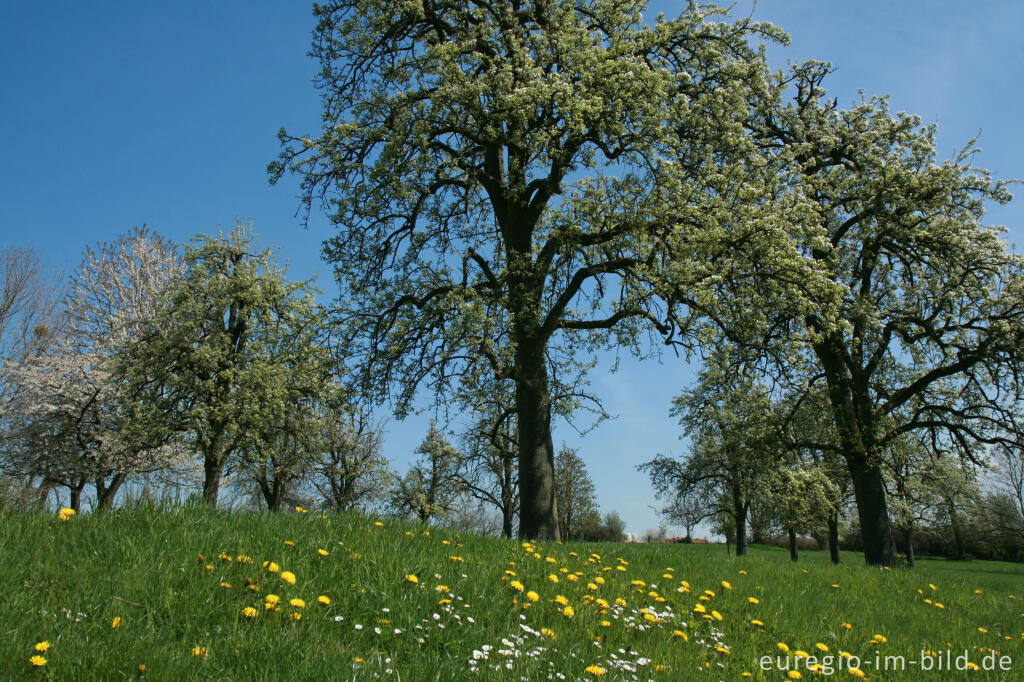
pixel 793 553
pixel 854 430
pixel 869 491
pixel 507 518
pixel 538 514
pixel 213 471
pixel 105 494
pixel 740 507
pixel 910 545
pixel 76 495
pixel 833 537
pixel 958 534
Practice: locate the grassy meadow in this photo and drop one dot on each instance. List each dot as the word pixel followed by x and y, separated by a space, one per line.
pixel 188 593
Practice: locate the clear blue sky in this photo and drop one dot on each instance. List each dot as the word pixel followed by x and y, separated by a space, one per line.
pixel 120 113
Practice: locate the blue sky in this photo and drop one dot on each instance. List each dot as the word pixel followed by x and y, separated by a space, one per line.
pixel 121 113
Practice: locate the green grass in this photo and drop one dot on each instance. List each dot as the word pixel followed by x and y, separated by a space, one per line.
pixel 67 581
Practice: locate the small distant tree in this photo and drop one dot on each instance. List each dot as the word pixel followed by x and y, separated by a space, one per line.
pixel 804 499
pixel 575 496
pixel 228 355
pixel 431 487
pixel 351 471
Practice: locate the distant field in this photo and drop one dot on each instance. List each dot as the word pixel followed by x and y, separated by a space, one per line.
pixel 189 592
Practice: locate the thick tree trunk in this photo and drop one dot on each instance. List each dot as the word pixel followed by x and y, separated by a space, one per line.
pixel 869 491
pixel 538 514
pixel 213 471
pixel 854 430
pixel 833 538
pixel 507 518
pixel 740 508
pixel 794 554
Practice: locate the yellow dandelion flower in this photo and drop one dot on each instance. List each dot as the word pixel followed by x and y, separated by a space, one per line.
pixel 322 552
pixel 553 578
pixel 800 653
pixel 288 577
pixel 116 622
pixel 297 603
pixel 716 615
pixel 548 632
pixel 939 605
pixel 757 623
pixel 932 586
pixel 64 515
pixel 249 612
pixel 517 586
pixel 200 651
pixel 295 615
pixel 532 596
pixel 560 599
pixel 743 572
pixel 971 665
pixel 753 600
pixel 681 635
pixel 568 612
pixel 441 588
pixel 794 675
pixel 42 647
pixel 699 608
pixel 271 566
pixel 846 625
pixel 444 602
pixel 599 580
pixel 856 672
pixel 379 524
pixel 595 670
pixel 880 639
pixel 606 623
pixel 651 618
pixel 411 579
pixel 226 586
pixel 722 650
pixel 783 647
pixel 821 647
pixel 324 599
pixel 38 661
pixel 620 601
pixel 726 585
pixel 289 543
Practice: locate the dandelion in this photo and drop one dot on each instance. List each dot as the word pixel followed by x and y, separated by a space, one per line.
pixel 846 625
pixel 681 635
pixel 200 651
pixel 783 647
pixel 856 672
pixel 288 577
pixel 517 586
pixel 297 603
pixel 794 675
pixel 116 622
pixel 753 600
pixel 595 670
pixel 606 623
pixel 289 543
pixel 821 647
pixel 38 661
pixel 295 615
pixel 272 599
pixel 226 586
pixel 271 566
pixel 322 552
pixel 716 615
pixel 249 612
pixel 757 623
pixel 532 596
pixel 379 524
pixel 63 515
pixel 722 649
pixel 699 608
pixel 324 600
pixel 726 585
pixel 42 647
pixel 568 612
pixel 548 632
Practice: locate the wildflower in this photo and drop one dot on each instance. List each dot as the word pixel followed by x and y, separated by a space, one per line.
pixel 561 600
pixel 548 632
pixel 716 615
pixel 606 623
pixel 821 647
pixel 38 661
pixel 726 585
pixel 783 647
pixel 553 578
pixel 846 625
pixel 324 599
pixel 249 612
pixel 620 601
pixel 932 586
pixel 63 515
pixel 743 572
pixel 757 623
pixel 722 649
pixel 971 665
pixel 856 672
pixel 116 622
pixel 595 670
pixel 516 585
pixel 800 653
pixel 288 577
pixel 297 603
pixel 200 651
pixel 699 608
pixel 295 615
pixel 322 552
pixel 226 586
pixel 599 580
pixel 42 647
pixel 879 639
pixel 379 524
pixel 271 566
pixel 753 600
pixel 568 612
pixel 289 543
pixel 794 675
pixel 681 635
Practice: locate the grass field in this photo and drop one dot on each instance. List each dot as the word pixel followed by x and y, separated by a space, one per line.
pixel 187 593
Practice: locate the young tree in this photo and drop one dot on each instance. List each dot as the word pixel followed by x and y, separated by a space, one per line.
pixel 511 170
pixel 431 487
pixel 232 350
pixel 575 496
pixel 352 471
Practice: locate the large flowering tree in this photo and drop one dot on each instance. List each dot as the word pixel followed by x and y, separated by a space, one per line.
pixel 511 170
